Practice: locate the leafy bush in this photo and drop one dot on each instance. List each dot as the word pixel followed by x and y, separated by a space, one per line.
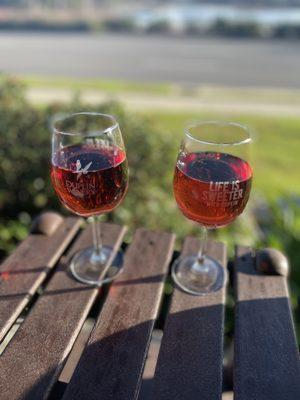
pixel 119 25
pixel 287 31
pixel 159 26
pixel 234 29
pixel 25 188
pixel 282 231
pixel 47 26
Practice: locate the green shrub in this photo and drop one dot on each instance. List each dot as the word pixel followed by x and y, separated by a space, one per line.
pixel 25 188
pixel 159 26
pixel 235 29
pixel 287 31
pixel 119 25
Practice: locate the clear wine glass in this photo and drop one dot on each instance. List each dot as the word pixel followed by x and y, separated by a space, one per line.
pixel 90 176
pixel 212 184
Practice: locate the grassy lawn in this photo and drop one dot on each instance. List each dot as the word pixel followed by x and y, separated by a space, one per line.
pixel 203 93
pixel 110 86
pixel 276 146
pixel 275 152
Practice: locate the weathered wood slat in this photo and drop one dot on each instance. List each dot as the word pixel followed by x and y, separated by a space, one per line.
pixel 190 360
pixel 23 272
pixel 33 360
pixel 112 364
pixel 266 364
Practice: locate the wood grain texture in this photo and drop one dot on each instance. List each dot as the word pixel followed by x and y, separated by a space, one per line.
pixel 190 361
pixel 112 364
pixel 39 349
pixel 23 272
pixel 266 364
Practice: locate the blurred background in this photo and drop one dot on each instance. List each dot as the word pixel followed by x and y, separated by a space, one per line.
pixel 156 65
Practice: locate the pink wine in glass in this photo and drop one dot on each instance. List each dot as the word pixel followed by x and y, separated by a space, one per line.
pixel 212 188
pixel 90 180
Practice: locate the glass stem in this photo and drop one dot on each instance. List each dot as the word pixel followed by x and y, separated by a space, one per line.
pixel 96 256
pixel 203 245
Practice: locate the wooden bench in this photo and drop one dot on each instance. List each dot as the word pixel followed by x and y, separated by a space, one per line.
pixel 37 289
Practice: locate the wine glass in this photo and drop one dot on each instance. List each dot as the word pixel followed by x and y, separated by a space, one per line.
pixel 90 177
pixel 212 183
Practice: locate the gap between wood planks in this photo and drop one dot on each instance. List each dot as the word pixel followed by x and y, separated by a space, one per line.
pixel 83 337
pixel 80 344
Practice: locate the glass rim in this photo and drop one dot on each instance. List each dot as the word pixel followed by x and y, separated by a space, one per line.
pixel 63 116
pixel 244 128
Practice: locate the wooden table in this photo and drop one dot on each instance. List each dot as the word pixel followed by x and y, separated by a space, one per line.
pixel 36 285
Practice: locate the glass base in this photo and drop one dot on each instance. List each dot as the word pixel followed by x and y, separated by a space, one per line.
pixel 89 269
pixel 198 278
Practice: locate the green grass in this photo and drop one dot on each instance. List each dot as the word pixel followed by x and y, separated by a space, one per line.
pixel 276 147
pixel 204 93
pixel 250 95
pixel 110 86
pixel 275 151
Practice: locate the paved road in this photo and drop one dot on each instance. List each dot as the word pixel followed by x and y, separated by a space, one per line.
pixel 181 60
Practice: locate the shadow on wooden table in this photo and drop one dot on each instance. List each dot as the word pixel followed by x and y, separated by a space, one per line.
pixel 190 358
pixel 112 367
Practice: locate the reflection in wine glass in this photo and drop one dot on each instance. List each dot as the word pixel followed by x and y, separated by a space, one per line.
pixel 90 176
pixel 212 184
